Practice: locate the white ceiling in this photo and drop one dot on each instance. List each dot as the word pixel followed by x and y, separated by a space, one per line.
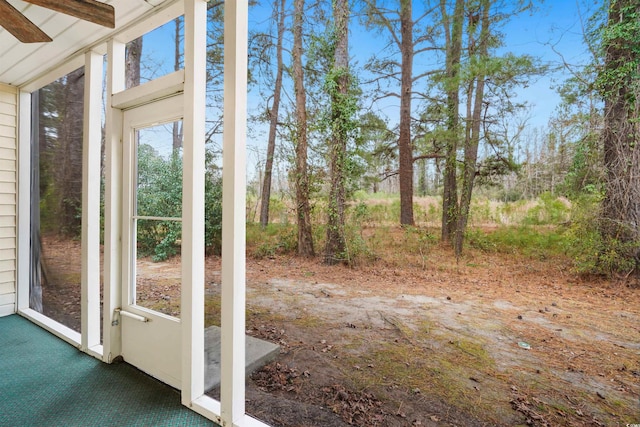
pixel 22 62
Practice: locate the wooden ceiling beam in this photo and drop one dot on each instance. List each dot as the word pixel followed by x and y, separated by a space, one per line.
pixel 17 24
pixel 87 10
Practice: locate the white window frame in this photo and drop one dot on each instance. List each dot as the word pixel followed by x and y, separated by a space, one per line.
pixel 89 340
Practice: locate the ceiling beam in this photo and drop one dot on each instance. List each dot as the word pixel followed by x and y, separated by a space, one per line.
pixel 87 10
pixel 18 25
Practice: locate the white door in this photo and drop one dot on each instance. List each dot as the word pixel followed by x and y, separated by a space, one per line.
pixel 152 225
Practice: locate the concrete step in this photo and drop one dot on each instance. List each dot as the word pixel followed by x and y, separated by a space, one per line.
pixel 258 354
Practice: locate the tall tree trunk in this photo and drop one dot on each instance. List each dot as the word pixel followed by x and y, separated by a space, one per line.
pixel 305 237
pixel 335 246
pixel 273 125
pixel 453 40
pixel 474 120
pixel 405 144
pixel 621 135
pixel 133 54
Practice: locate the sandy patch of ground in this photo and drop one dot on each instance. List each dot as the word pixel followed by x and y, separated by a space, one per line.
pixel 444 345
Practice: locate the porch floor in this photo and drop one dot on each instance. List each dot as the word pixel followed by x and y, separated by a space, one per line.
pixel 46 382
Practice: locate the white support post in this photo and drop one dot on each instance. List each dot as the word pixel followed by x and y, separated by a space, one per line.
pixel 24 200
pixel 193 155
pixel 232 387
pixel 92 135
pixel 113 202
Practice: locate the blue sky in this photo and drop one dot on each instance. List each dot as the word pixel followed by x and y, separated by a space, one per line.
pixel 553 28
pixel 551 25
pixel 554 33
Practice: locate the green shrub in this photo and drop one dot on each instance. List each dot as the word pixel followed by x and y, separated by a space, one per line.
pixel 360 214
pixel 382 213
pixel 511 212
pixel 480 211
pixel 480 240
pixel 159 193
pixel 360 195
pixel 419 241
pixel 213 212
pixel 527 240
pixel 593 252
pixel 278 210
pixel 530 241
pixel 357 249
pixel 512 195
pixel 434 212
pixel 550 210
pixel 272 240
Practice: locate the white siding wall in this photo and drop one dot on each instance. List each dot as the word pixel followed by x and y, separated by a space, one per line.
pixel 8 140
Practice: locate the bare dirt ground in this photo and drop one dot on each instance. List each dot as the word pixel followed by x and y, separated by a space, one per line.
pixel 493 339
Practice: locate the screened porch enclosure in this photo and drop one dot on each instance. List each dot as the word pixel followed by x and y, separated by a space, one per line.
pixel 101 179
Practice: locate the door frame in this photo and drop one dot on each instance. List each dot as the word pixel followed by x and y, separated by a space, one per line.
pixel 151 341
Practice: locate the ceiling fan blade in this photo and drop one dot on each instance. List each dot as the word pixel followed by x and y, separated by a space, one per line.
pixel 87 10
pixel 18 25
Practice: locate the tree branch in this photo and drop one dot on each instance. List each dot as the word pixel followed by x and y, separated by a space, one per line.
pixel 428 156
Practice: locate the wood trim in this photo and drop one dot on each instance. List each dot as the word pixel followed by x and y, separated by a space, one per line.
pixel 162 87
pixel 87 10
pixel 20 26
pixel 232 352
pixel 23 209
pixel 58 329
pixel 111 339
pixel 195 38
pixel 92 135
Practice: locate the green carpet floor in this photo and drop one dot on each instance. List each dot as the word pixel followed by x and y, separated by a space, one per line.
pixel 47 382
